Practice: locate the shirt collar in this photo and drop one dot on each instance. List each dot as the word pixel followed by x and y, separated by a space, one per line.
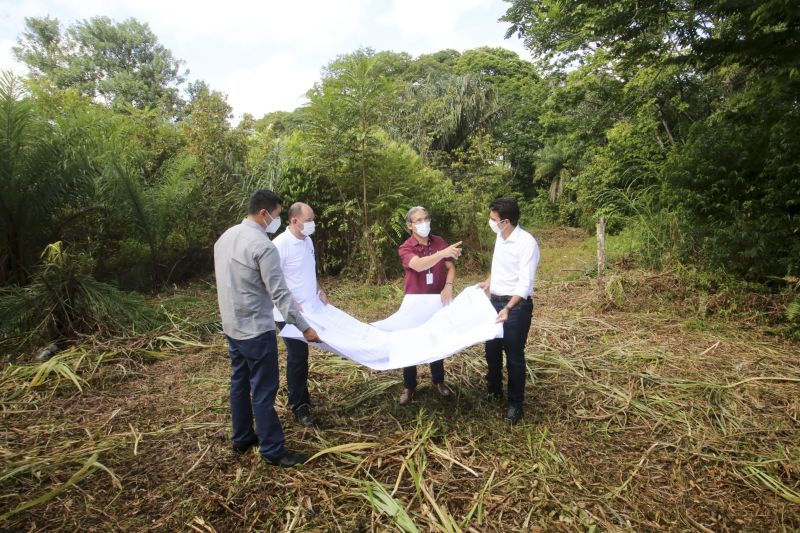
pixel 293 239
pixel 414 242
pixel 255 225
pixel 513 235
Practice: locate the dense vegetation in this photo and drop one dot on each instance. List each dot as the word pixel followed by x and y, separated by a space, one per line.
pixel 678 121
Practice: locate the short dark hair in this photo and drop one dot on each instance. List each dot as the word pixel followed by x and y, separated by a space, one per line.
pixel 263 199
pixel 506 207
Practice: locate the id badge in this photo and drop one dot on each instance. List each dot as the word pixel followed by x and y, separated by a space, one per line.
pixel 429 278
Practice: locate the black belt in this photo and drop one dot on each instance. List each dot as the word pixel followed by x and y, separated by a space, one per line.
pixel 503 299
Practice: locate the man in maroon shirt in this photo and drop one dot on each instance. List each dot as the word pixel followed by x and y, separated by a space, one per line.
pixel 428 264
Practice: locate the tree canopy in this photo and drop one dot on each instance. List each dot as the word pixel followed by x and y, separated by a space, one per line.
pixel 119 63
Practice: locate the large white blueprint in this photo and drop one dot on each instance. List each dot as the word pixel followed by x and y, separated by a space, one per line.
pixel 414 311
pixel 422 330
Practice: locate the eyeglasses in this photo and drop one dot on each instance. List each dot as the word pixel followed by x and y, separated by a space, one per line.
pixel 421 220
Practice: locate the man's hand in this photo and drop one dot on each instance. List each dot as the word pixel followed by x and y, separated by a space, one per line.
pixel 311 335
pixel 323 297
pixel 451 252
pixel 447 294
pixel 484 285
pixel 502 316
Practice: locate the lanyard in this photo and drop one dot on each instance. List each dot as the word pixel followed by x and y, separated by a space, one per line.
pixel 430 253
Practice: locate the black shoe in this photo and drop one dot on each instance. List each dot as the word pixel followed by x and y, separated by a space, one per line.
pixel 513 414
pixel 304 417
pixel 494 396
pixel 243 448
pixel 287 460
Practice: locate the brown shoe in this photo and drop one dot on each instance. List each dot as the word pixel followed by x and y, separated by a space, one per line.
pixel 405 397
pixel 444 390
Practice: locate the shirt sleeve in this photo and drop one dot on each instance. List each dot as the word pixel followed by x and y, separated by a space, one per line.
pixel 528 261
pixel 441 245
pixel 272 275
pixel 406 254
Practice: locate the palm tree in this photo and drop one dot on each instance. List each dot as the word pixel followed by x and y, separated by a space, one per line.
pixel 553 166
pixel 155 212
pixel 44 179
pixel 449 109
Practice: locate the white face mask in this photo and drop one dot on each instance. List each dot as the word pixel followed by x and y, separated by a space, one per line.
pixel 423 228
pixel 308 228
pixel 495 226
pixel 273 226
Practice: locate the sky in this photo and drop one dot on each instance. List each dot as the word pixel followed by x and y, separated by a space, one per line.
pixel 265 55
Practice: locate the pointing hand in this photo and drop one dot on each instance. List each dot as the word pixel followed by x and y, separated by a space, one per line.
pixel 452 252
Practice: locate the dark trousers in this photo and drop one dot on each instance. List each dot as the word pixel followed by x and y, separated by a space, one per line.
pixel 410 374
pixel 254 384
pixel 515 335
pixel 296 371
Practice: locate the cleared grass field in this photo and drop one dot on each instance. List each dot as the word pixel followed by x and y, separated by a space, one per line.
pixel 649 414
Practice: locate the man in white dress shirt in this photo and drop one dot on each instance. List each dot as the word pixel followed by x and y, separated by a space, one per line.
pixel 514 262
pixel 298 264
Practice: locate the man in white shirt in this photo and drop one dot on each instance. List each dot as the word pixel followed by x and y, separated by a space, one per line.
pixel 298 264
pixel 514 262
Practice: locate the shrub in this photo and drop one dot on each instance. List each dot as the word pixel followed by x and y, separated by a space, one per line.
pixel 63 300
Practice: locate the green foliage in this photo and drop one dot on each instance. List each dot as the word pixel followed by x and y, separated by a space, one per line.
pixel 737 179
pixel 209 137
pixel 63 299
pixel 696 99
pixel 44 178
pixel 448 110
pixel 792 312
pixel 121 63
pixel 520 93
pixel 151 217
pixel 397 180
pixel 677 121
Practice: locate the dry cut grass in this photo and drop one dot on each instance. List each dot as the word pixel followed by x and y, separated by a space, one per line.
pixel 639 416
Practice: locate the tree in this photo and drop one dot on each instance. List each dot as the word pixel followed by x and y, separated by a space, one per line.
pixel 120 64
pixel 441 113
pixel 345 115
pixel 45 178
pixel 520 95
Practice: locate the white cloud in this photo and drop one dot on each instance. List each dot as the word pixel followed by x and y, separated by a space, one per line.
pixel 432 25
pixel 277 83
pixel 245 23
pixel 7 60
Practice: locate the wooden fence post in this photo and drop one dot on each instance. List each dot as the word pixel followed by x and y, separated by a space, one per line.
pixel 601 258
